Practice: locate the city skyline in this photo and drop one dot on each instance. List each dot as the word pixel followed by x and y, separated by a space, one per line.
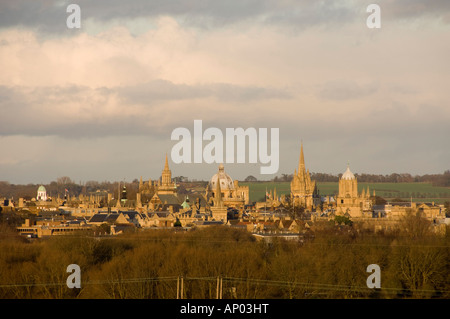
pixel 100 102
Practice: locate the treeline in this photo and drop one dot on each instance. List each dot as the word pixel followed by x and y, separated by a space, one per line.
pixel 436 179
pixel 332 263
pixel 65 185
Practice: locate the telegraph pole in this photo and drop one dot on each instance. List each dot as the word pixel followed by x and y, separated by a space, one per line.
pixel 182 286
pixel 219 288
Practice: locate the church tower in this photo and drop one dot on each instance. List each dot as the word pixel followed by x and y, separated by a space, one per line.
pixel 349 202
pixel 166 176
pixel 303 190
pixel 348 185
pixel 167 186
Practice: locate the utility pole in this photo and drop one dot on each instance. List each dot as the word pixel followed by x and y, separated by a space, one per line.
pixel 219 288
pixel 180 287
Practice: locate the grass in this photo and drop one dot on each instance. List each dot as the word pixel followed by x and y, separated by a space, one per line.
pixel 420 192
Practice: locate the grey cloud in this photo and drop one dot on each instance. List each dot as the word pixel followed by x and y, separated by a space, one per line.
pixel 346 90
pixel 160 90
pixel 50 16
pixel 412 9
pixel 313 13
pixel 42 110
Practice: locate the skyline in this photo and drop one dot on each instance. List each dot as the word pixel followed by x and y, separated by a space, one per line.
pixel 100 102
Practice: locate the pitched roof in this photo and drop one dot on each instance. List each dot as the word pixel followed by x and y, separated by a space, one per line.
pixel 170 199
pixel 111 218
pixel 163 214
pixel 130 214
pixel 193 199
pixel 104 218
pixel 286 223
pixel 98 218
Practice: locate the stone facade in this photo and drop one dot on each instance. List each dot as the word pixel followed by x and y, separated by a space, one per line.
pixel 349 202
pixel 232 194
pixel 303 190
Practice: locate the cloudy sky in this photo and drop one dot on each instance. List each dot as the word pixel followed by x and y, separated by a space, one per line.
pixel 100 102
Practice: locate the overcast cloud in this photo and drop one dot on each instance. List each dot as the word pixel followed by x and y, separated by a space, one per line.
pixel 100 102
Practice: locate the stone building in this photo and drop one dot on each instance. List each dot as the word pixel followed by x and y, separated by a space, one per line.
pixel 303 190
pixel 41 194
pixel 160 194
pixel 231 193
pixel 349 202
pixel 167 186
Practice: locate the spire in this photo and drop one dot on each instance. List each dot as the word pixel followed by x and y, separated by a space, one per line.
pixel 301 164
pixel 166 166
pixel 166 175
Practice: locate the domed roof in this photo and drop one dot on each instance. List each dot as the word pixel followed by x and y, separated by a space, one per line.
pixel 348 174
pixel 226 182
pixel 41 189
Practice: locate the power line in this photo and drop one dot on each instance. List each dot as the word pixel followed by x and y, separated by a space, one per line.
pixel 255 281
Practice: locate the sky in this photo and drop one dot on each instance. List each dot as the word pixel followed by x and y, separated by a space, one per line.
pixel 100 102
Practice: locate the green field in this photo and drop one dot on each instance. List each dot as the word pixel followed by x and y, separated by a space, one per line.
pixel 420 192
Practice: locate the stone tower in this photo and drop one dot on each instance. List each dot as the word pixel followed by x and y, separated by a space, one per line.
pixel 303 189
pixel 166 186
pixel 349 202
pixel 218 210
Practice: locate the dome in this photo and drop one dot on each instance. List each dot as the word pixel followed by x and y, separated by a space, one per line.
pixel 348 174
pixel 226 182
pixel 41 189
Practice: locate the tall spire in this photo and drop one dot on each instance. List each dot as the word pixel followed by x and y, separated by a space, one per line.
pixel 166 166
pixel 301 164
pixel 166 185
pixel 166 176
